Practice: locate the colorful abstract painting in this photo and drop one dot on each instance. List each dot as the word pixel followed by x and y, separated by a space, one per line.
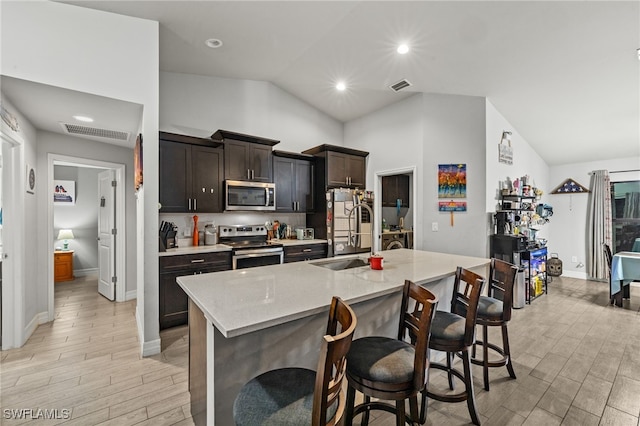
pixel 452 180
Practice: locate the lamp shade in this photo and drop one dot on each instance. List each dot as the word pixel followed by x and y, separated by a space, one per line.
pixel 65 234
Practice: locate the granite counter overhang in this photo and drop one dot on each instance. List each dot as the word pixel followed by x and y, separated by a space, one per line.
pixel 222 247
pixel 246 300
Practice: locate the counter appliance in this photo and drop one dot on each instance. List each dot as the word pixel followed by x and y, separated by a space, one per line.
pixel 249 246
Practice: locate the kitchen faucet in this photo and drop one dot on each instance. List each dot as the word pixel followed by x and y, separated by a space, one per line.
pixel 350 238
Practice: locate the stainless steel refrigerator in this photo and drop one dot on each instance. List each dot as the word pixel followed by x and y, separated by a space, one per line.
pixel 333 224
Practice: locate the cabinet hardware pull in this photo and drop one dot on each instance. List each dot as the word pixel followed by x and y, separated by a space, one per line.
pixel 248 174
pixel 198 261
pixel 195 204
pixel 189 203
pixel 253 174
pixel 306 250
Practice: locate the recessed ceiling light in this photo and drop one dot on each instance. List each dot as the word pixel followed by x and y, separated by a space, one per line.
pixel 402 49
pixel 341 86
pixel 213 43
pixel 83 118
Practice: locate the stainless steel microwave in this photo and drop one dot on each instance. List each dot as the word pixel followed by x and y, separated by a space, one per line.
pixel 241 195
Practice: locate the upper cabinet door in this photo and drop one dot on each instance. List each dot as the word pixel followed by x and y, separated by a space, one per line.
pixel 304 185
pixel 283 177
pixel 337 166
pixel 247 161
pixel 207 174
pixel 175 176
pixel 356 169
pixel 260 163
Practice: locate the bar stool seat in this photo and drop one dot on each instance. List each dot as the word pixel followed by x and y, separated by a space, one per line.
pixel 454 332
pixel 494 310
pixel 393 369
pixel 299 396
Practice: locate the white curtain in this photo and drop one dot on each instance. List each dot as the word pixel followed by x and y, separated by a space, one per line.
pixel 598 224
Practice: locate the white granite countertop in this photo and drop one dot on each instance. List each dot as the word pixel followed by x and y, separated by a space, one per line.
pixel 222 247
pixel 245 300
pixel 195 250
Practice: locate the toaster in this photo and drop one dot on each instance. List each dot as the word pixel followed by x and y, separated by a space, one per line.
pixel 304 234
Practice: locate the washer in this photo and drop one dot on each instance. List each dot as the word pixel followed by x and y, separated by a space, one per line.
pixel 393 240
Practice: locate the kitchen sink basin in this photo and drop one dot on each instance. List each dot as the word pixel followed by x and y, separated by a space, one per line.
pixel 341 264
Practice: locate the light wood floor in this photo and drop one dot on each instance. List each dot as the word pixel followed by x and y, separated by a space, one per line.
pixel 577 361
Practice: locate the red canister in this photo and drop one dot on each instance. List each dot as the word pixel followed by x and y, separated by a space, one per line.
pixel 376 261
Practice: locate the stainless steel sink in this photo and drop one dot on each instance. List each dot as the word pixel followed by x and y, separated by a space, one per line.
pixel 341 264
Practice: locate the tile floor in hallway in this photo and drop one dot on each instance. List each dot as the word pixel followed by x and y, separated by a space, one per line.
pixel 577 361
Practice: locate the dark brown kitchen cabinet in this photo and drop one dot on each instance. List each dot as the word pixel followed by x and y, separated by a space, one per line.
pixel 338 166
pixel 302 252
pixel 173 300
pixel 345 170
pixel 394 188
pixel 191 174
pixel 293 177
pixel 246 157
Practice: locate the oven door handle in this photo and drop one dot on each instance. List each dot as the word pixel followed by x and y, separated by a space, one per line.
pixel 244 254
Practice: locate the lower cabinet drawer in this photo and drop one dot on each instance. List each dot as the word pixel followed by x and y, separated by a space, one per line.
pixel 305 252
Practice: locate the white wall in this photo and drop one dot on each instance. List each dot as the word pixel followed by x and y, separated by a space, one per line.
pixel 107 55
pixel 455 133
pixel 199 105
pixel 423 131
pixel 81 217
pixel 567 227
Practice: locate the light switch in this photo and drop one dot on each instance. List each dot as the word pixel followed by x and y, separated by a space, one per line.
pixel 434 226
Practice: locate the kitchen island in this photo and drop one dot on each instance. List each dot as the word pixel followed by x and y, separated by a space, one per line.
pixel 245 322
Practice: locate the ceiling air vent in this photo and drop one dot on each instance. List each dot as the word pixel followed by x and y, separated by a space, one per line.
pixel 75 129
pixel 396 87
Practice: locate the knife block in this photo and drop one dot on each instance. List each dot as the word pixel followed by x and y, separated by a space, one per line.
pixel 168 242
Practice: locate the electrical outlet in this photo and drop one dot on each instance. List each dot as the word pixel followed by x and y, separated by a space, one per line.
pixel 434 226
pixel 574 259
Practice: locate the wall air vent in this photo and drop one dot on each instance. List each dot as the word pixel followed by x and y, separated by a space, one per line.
pixel 402 84
pixel 75 129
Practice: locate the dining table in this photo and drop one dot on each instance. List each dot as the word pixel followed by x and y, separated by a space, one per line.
pixel 625 268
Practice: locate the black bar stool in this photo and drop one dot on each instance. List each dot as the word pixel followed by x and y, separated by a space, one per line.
pixel 299 396
pixel 494 310
pixel 393 369
pixel 454 332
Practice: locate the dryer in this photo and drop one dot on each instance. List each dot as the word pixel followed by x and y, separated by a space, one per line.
pixel 393 240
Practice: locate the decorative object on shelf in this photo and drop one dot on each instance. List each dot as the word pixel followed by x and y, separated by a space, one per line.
pixel 570 186
pixel 66 235
pixel 64 192
pixel 137 162
pixel 505 151
pixel 452 180
pixel 31 179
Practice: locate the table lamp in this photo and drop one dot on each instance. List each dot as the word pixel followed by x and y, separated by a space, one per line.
pixel 66 235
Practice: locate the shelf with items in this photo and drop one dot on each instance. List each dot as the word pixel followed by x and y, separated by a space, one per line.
pixel 534 263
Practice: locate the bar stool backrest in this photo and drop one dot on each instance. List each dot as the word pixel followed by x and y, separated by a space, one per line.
pixel 465 300
pixel 503 278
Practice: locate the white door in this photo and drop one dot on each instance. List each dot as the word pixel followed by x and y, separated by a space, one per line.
pixel 107 234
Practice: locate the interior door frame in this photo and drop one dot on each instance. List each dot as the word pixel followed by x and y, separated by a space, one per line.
pixel 13 203
pixel 377 202
pixel 119 169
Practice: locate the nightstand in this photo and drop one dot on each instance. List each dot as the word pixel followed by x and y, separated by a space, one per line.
pixel 63 265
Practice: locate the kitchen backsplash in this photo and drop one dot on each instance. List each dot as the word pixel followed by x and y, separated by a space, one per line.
pixel 184 221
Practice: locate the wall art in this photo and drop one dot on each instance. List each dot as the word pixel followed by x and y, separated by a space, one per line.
pixel 452 180
pixel 64 192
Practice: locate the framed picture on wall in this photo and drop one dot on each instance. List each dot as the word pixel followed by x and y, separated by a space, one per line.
pixel 452 180
pixel 137 161
pixel 31 179
pixel 64 192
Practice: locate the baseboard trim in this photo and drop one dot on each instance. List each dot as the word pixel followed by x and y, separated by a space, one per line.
pixel 131 295
pixel 146 348
pixel 37 319
pixel 85 272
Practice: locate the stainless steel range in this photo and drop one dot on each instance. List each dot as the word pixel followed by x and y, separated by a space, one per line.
pixel 250 246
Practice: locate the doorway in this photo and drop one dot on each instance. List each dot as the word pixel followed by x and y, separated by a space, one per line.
pixel 117 171
pixel 395 207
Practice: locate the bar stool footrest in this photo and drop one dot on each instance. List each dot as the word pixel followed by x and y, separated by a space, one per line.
pixel 457 397
pixel 377 405
pixel 495 363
